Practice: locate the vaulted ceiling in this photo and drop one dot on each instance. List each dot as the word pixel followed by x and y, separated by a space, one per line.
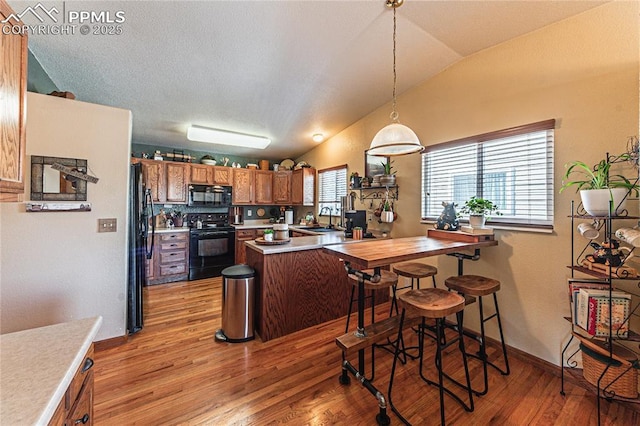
pixel 281 69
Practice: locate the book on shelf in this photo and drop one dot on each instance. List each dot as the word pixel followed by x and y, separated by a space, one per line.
pixel 476 231
pixel 592 312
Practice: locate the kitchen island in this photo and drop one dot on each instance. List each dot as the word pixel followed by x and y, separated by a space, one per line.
pixel 298 285
pixel 38 369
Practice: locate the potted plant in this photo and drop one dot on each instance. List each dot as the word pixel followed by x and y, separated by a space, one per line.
pixel 389 177
pixel 268 235
pixel 177 218
pixel 479 210
pixel 600 192
pixel 387 212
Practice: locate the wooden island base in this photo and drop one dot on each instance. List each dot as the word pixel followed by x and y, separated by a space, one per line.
pixel 298 289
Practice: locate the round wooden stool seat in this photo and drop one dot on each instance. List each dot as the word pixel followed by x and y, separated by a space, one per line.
pixel 387 279
pixel 431 302
pixel 472 285
pixel 415 270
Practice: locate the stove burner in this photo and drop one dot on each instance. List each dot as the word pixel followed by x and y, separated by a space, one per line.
pixel 208 220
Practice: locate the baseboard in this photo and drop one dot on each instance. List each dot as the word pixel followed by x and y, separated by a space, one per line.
pixel 102 345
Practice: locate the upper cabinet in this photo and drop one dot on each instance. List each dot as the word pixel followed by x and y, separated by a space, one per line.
pixel 167 180
pixel 177 177
pixel 282 187
pixel 243 186
pixel 303 186
pixel 202 174
pixel 13 110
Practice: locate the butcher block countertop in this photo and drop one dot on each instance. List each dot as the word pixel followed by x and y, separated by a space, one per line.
pixel 37 366
pixel 375 253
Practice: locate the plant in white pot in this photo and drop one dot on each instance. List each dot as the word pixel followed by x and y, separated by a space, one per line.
pixel 601 193
pixel 479 210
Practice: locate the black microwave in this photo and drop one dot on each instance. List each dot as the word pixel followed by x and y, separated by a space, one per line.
pixel 209 196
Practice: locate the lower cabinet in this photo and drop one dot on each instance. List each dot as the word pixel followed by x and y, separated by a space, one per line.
pixel 170 260
pixel 243 235
pixel 76 408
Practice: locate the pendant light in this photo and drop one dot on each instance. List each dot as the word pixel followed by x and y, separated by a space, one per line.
pixel 396 138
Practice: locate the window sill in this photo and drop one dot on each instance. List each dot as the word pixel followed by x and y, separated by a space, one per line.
pixel 504 227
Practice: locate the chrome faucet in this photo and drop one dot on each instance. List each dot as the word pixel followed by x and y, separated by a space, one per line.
pixel 330 217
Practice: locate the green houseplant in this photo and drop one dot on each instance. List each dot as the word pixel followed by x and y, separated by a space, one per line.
pixel 600 191
pixel 389 176
pixel 268 235
pixel 479 210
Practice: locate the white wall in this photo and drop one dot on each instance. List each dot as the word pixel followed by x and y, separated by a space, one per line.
pixel 56 267
pixel 583 72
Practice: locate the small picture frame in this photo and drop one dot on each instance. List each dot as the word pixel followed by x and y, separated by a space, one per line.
pixel 373 164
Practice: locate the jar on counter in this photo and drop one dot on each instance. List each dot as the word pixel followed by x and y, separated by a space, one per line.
pixel 281 231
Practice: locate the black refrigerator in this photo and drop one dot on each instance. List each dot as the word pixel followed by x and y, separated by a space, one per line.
pixel 141 230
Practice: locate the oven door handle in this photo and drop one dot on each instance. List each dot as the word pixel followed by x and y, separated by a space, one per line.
pixel 213 234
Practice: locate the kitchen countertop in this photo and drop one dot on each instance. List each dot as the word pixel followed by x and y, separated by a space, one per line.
pixel 37 367
pixel 310 242
pixel 165 230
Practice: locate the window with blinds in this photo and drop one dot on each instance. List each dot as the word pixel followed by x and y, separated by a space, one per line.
pixel 332 186
pixel 511 167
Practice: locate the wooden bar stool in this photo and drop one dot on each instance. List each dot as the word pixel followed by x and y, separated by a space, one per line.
pixel 415 271
pixel 478 286
pixel 434 303
pixel 387 280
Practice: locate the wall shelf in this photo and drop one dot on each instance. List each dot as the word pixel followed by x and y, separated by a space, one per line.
pixel 378 193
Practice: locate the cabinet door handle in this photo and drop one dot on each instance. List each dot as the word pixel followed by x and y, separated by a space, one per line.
pixel 84 419
pixel 88 363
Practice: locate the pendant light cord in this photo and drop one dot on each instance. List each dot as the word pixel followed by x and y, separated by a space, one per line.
pixel 394 113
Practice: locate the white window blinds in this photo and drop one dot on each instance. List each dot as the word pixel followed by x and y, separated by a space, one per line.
pixel 333 185
pixel 512 167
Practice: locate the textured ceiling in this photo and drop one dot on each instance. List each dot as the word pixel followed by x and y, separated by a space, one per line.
pixel 281 69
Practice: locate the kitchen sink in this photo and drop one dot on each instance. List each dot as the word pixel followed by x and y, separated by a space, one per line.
pixel 317 229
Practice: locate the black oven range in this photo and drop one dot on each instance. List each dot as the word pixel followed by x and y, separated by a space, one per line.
pixel 211 244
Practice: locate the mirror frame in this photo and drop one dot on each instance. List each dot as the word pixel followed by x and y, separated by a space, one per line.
pixel 38 163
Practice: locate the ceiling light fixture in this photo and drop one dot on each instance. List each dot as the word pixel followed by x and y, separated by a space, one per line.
pixel 318 137
pixel 395 138
pixel 225 137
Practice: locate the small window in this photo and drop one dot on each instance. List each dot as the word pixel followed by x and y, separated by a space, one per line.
pixel 512 167
pixel 333 185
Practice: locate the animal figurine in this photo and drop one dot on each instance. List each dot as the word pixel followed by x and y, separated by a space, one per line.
pixel 448 220
pixel 608 253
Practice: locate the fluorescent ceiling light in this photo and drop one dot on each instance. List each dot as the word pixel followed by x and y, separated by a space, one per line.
pixel 224 137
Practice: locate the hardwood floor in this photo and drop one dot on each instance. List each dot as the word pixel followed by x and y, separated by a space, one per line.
pixel 174 372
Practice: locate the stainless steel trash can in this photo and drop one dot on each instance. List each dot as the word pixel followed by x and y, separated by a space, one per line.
pixel 237 304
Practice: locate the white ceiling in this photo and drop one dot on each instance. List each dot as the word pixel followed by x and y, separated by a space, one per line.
pixel 281 69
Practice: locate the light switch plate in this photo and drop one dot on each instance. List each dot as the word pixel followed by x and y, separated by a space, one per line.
pixel 107 225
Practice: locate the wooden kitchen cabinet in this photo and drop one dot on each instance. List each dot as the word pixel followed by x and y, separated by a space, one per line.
pixel 166 179
pixel 177 177
pixel 153 178
pixel 201 174
pixel 76 406
pixel 243 186
pixel 170 258
pixel 13 110
pixel 282 187
pixel 243 235
pixel 222 175
pixel 263 187
pixel 303 186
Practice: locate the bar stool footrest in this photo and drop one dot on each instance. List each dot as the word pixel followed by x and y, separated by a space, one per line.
pixel 374 333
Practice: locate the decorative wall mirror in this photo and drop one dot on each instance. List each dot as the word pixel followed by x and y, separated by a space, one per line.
pixel 49 184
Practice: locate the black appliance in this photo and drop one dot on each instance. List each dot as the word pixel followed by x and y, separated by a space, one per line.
pixel 141 230
pixel 209 196
pixel 354 219
pixel 212 244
